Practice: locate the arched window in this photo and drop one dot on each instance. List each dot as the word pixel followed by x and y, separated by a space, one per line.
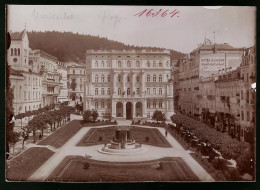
pixel 154 64
pixel 154 104
pixel 103 64
pixel 102 78
pixel 108 78
pixel 160 64
pixel 154 78
pixel 102 91
pixel 108 91
pixel 96 104
pixel 138 90
pixel 148 91
pixel 160 91
pixel 154 91
pixel 128 78
pixel 119 78
pixel 102 104
pixel 12 51
pixel 128 64
pixel 96 64
pixel 137 78
pixel 148 105
pixel 128 91
pixel 73 70
pixel 119 91
pixel 137 64
pixel 108 105
pixel 96 78
pixel 160 104
pixel 119 64
pixel 96 91
pixel 148 64
pixel 15 51
pixel 160 78
pixel 148 78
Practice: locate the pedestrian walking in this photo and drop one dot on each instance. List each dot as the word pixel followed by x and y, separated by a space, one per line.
pixel 166 133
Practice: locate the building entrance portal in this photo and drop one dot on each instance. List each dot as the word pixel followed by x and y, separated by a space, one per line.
pixel 138 109
pixel 119 109
pixel 129 112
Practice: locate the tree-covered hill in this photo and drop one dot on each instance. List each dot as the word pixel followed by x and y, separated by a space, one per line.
pixel 67 46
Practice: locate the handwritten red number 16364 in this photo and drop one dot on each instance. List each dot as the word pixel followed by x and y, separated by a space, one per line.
pixel 161 12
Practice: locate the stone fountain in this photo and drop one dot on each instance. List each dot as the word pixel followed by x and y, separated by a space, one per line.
pixel 122 143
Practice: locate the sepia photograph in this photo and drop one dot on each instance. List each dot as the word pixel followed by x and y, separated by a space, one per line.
pixel 130 93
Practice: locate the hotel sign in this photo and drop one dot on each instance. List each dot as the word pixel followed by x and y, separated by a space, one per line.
pixel 212 62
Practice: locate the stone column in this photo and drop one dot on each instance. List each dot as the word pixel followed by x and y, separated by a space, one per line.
pixel 144 109
pixel 114 83
pixel 143 83
pixel 124 109
pixel 113 109
pixel 123 81
pixel 133 83
pixel 134 109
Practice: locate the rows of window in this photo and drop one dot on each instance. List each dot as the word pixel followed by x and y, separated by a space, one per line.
pixel 35 81
pixel 102 64
pixel 153 78
pixel 49 66
pixel 15 51
pixel 130 64
pixel 81 72
pixel 149 78
pixel 128 91
pixel 154 91
pixel 102 79
pixel 102 104
pixel 154 104
pixel 102 91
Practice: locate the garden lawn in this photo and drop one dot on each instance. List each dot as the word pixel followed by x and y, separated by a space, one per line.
pixel 24 165
pixel 73 169
pixel 138 133
pixel 62 135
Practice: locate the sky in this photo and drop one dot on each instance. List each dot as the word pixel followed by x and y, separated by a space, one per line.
pixel 180 28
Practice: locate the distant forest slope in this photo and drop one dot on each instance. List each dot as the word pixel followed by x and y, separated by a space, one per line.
pixel 67 46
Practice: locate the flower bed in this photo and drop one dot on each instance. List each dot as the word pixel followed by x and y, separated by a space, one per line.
pixel 99 123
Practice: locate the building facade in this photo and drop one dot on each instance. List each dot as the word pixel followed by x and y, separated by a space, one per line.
pixel 62 70
pixel 46 65
pixel 76 78
pixel 25 81
pixel 128 84
pixel 248 94
pixel 204 62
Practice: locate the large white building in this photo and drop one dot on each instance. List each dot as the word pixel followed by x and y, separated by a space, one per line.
pixel 47 66
pixel 62 69
pixel 26 83
pixel 76 78
pixel 128 84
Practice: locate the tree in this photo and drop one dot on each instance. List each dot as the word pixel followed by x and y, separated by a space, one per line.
pixel 25 135
pixel 94 115
pixel 9 112
pixel 246 161
pixel 87 116
pixel 14 139
pixel 158 116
